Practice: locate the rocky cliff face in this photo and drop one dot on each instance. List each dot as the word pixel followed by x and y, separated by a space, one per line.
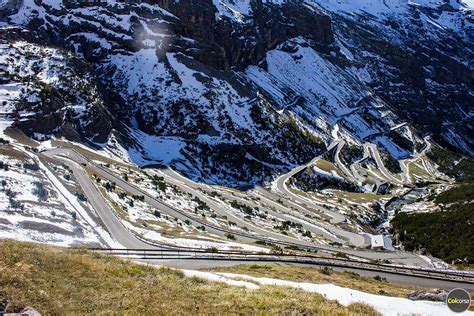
pixel 230 91
pixel 267 27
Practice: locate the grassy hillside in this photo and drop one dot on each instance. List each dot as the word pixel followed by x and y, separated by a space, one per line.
pixel 66 281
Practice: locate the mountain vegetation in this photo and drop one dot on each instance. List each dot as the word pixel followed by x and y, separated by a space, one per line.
pixel 446 234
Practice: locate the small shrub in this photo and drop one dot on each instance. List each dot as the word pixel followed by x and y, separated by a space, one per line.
pixel 230 236
pixel 30 166
pixel 40 191
pixel 81 197
pixel 326 271
pixel 212 249
pixel 341 255
pixel 379 278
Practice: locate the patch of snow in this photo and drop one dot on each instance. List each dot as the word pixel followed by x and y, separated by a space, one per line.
pixel 69 199
pixel 218 278
pixel 192 243
pixel 233 9
pixel 159 149
pixel 383 304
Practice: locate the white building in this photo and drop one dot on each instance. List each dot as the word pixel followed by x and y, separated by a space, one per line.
pixel 381 242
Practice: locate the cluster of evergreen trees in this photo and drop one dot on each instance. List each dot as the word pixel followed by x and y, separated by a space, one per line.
pixel 446 234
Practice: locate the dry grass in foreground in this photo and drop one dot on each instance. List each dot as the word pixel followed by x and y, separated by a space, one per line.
pixel 315 275
pixel 67 281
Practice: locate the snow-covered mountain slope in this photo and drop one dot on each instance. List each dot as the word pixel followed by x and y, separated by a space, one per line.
pixel 385 7
pixel 231 90
pixel 49 91
pixel 418 60
pixel 35 205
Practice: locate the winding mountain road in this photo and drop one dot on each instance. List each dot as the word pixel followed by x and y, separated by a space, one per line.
pixel 283 189
pixel 130 241
pixel 355 166
pixel 340 164
pixel 280 212
pixel 126 237
pixel 378 160
pixel 111 221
